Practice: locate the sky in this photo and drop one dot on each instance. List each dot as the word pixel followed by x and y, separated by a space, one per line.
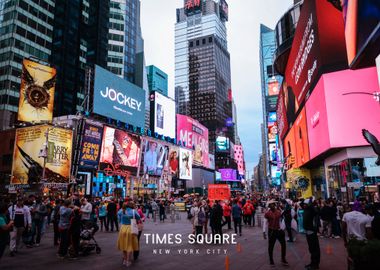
pixel 158 18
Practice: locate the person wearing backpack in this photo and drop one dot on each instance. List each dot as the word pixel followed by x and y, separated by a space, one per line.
pixel 20 215
pixel 199 218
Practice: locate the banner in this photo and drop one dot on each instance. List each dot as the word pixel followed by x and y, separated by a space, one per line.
pixel 174 161
pixel 195 137
pixel 92 141
pixel 155 157
pixel 120 150
pixel 185 164
pixel 30 149
pixel 36 92
pixel 218 192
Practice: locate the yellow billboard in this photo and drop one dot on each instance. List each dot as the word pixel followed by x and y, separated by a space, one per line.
pixel 30 150
pixel 36 92
pixel 300 180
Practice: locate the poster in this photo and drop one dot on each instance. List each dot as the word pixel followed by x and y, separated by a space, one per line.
pixel 92 141
pixel 174 161
pixel 155 157
pixel 185 164
pixel 30 149
pixel 163 110
pixel 36 92
pixel 218 192
pixel 120 149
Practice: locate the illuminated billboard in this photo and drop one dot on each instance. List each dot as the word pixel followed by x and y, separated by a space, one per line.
pixel 272 117
pixel 36 92
pixel 192 6
pixel 120 150
pixel 223 8
pixel 228 174
pixel 163 114
pixel 272 131
pixel 271 103
pixel 155 157
pixel 118 99
pixel 195 136
pixel 222 144
pixel 174 161
pixel 273 88
pixel 185 164
pixel 30 149
pixel 91 143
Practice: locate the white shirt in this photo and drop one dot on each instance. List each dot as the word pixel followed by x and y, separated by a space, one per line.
pixel 357 223
pixel 86 211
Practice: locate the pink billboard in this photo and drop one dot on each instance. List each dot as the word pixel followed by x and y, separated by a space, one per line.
pixel 239 158
pixel 228 174
pixel 341 105
pixel 195 136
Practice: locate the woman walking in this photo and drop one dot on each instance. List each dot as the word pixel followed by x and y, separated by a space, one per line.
pixel 127 242
pixel 102 214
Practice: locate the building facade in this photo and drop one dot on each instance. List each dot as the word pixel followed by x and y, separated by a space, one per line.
pixel 157 80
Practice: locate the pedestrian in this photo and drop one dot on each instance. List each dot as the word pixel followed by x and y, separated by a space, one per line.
pixel 216 215
pixel 5 227
pixel 102 214
pixel 20 215
pixel 55 215
pixel 273 216
pixel 112 216
pixel 39 212
pixel 375 224
pixel 147 208
pixel 310 225
pixel 172 212
pixel 74 232
pixel 236 215
pixel 162 211
pixel 127 242
pixel 247 211
pixel 199 218
pixel 254 204
pixel 327 213
pixel 227 214
pixel 288 215
pixel 64 224
pixel 154 210
pixel 207 208
pixel 86 210
pixel 356 224
pixel 140 224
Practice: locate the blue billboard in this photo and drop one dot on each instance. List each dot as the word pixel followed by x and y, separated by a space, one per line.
pixel 118 99
pixel 91 145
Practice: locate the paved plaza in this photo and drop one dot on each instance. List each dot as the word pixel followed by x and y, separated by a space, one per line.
pixel 249 253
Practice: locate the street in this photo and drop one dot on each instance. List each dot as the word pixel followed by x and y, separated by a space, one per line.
pixel 251 251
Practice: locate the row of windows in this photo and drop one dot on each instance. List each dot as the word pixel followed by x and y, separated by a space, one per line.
pixel 37 13
pixel 197 42
pixel 31 50
pixel 33 24
pixel 117 26
pixel 115 48
pixel 34 38
pixel 116 37
pixel 116 60
pixel 5 99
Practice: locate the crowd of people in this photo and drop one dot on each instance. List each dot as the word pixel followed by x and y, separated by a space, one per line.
pixel 24 220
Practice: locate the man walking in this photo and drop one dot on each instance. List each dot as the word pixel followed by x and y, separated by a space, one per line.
pixel 310 226
pixel 273 216
pixel 112 216
pixel 236 215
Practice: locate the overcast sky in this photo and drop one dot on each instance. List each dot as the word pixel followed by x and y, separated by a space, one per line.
pixel 158 18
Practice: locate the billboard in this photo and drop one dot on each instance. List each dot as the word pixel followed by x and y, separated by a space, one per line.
pixel 120 150
pixel 271 103
pixel 185 164
pixel 272 131
pixel 272 152
pixel 155 157
pixel 239 158
pixel 223 8
pixel 228 174
pixel 91 144
pixel 273 88
pixel 174 161
pixel 219 192
pixel 272 117
pixel 300 179
pixel 163 114
pixel 318 46
pixel 118 99
pixel 362 31
pixel 222 144
pixel 192 6
pixel 211 159
pixel 301 139
pixel 282 122
pixel 290 151
pixel 31 145
pixel 36 92
pixel 341 105
pixel 195 136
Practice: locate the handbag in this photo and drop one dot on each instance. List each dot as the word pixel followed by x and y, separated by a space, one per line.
pixel 134 228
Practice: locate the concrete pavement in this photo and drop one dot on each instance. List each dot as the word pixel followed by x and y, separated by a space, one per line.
pixel 249 253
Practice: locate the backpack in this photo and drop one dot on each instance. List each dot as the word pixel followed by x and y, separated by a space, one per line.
pixel 201 217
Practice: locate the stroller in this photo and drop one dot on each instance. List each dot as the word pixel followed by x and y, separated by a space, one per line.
pixel 87 241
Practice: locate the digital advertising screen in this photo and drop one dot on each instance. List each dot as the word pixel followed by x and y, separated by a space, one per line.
pixel 174 161
pixel 271 103
pixel 222 144
pixel 118 99
pixel 120 149
pixel 272 152
pixel 272 117
pixel 301 138
pixel 228 174
pixel 195 137
pixel 192 6
pixel 164 116
pixel 155 157
pixel 272 131
pixel 31 148
pixel 36 92
pixel 185 164
pixel 91 145
pixel 273 88
pixel 223 7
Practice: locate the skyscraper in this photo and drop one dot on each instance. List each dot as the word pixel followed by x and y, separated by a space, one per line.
pixel 157 80
pixel 25 31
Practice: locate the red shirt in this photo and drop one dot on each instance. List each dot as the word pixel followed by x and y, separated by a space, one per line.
pixel 226 210
pixel 273 219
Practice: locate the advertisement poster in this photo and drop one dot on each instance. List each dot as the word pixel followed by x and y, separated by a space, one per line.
pixel 301 138
pixel 185 164
pixel 271 103
pixel 30 147
pixel 155 157
pixel 119 149
pixel 282 122
pixel 272 152
pixel 273 88
pixel 118 99
pixel 174 161
pixel 222 144
pixel 36 92
pixel 92 141
pixel 272 117
pixel 219 192
pixel 228 174
pixel 163 115
pixel 272 131
pixel 195 137
pixel 300 180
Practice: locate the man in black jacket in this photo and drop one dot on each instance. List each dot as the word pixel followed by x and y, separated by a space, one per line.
pixel 310 217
